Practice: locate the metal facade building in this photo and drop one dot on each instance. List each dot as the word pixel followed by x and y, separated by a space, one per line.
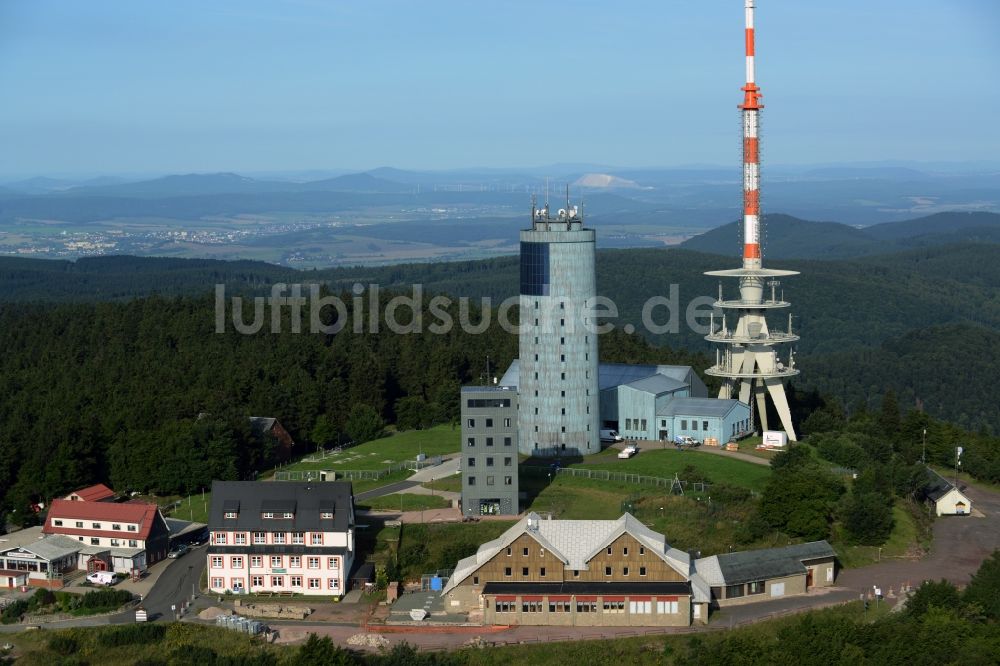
pixel 702 418
pixel 558 354
pixel 489 451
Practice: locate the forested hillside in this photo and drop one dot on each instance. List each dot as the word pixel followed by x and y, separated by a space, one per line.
pixel 146 396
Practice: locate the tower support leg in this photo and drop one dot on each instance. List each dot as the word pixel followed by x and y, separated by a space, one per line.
pixel 777 391
pixel 761 393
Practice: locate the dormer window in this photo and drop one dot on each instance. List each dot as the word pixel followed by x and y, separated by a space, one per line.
pixel 267 515
pixel 230 514
pixel 288 514
pixel 326 515
pixel 57 523
pixel 131 528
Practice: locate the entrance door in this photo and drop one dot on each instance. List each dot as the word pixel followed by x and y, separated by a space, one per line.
pixel 809 578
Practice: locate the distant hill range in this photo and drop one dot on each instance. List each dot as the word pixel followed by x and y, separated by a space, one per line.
pixel 787 237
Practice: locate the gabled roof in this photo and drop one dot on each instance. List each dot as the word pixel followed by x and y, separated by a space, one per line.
pixel 49 548
pixel 260 425
pixel 765 564
pixel 657 384
pixel 94 493
pixel 574 542
pixel 142 513
pixel 938 486
pixel 700 407
pixel 250 499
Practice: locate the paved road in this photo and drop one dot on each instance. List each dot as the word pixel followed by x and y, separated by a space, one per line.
pixel 385 490
pixel 179 582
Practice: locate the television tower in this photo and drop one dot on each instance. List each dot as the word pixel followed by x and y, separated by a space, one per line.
pixel 747 356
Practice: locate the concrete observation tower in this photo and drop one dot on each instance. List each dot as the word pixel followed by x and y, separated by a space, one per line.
pixel 558 393
pixel 750 357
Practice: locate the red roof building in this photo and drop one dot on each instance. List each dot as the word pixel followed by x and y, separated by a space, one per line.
pixel 110 524
pixel 98 493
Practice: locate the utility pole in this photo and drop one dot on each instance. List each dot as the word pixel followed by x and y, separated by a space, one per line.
pixel 923 449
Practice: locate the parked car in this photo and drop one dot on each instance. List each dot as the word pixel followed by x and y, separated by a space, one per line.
pixel 101 578
pixel 178 551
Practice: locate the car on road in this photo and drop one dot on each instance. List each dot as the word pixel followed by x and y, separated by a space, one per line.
pixel 178 551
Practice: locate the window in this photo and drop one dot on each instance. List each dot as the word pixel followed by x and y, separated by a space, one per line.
pixel 295 562
pixel 562 357
pixel 704 425
pixel 755 587
pixel 509 550
pixel 684 424
pixel 326 515
pixel 508 461
pixel 333 584
pixel 313 562
pixel 472 480
pixel 642 571
pixel 472 423
pixel 586 606
pixel 288 514
pixel 625 551
pixel 507 441
pixel 132 543
pixel 276 561
pixel 79 523
pixel 256 581
pixel 236 562
pixel 489 423
pixel 295 581
pixel 279 537
pixel 218 583
pixel 220 538
pixel 640 607
pixel 642 550
pixel 559 606
pixel 216 561
pixel 471 461
pixel 57 523
pixel 240 539
pixel 607 571
pixel 506 606
pixel 475 580
pixel 298 538
pixel 489 461
pixel 562 375
pixel 94 541
pixel 472 441
pixel 642 424
pixel 609 550
pixel 628 424
pixel 489 480
pixel 541 572
pixel 316 538
pixel 96 526
pixel 333 563
pixel 267 515
pixel 314 583
pixel 666 607
pixel 116 526
pixel 624 571
pixel 524 571
pixel 256 561
pixel 524 552
pixel 694 425
pixel 229 514
pixel 489 441
pixel 614 605
pixel 506 571
pixel 734 591
pixel 506 423
pixel 576 573
pixel 260 537
pixel 277 581
pixel 132 528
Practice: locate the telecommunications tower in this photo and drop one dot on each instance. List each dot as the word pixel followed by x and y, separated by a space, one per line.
pixel 749 356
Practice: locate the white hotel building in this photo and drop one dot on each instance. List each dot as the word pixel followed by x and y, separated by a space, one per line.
pixel 281 537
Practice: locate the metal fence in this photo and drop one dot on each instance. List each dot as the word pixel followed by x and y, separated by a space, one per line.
pixel 354 474
pixel 608 475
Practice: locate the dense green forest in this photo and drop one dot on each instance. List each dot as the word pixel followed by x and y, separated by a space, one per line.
pixel 922 322
pixel 145 395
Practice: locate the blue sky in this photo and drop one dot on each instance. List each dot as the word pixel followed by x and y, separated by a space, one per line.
pixel 107 86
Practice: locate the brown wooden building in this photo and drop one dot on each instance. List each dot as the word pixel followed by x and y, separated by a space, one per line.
pixel 579 572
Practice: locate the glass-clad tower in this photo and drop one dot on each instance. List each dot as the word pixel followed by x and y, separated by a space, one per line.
pixel 557 387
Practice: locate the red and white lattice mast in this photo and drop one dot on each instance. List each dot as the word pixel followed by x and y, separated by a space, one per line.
pixel 747 355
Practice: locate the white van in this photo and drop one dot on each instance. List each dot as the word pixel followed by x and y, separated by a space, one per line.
pixel 101 578
pixel 611 436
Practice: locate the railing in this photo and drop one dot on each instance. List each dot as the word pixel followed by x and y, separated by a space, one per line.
pixel 355 474
pixel 609 475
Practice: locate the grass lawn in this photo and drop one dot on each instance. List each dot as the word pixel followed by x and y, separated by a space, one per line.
pixel 425 548
pixel 192 508
pixel 405 502
pixel 910 537
pixel 451 483
pixel 364 485
pixel 573 498
pixel 397 447
pixel 667 462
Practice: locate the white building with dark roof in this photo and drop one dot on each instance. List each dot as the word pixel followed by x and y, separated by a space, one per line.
pixel 947 499
pixel 579 572
pixel 281 537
